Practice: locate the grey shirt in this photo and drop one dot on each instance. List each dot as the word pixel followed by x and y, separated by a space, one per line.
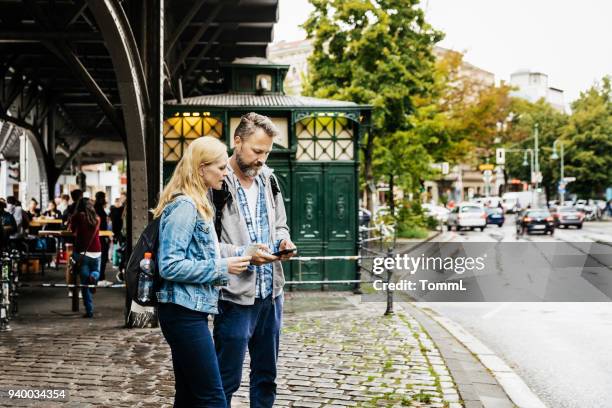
pixel 234 234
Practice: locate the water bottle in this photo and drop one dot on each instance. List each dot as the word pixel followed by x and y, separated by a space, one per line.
pixel 145 279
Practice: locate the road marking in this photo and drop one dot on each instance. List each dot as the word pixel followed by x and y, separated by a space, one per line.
pixel 493 312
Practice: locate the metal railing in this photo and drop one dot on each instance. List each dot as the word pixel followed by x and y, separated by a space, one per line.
pixel 9 282
pixel 373 242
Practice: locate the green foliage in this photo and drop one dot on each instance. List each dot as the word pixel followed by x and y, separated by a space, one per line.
pixel 520 136
pixel 586 135
pixel 457 119
pixel 376 52
pixel 412 222
pixel 588 152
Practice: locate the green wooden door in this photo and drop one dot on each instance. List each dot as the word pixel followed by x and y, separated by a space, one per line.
pixel 324 220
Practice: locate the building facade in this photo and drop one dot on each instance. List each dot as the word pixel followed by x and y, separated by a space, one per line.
pixel 534 86
pixel 295 54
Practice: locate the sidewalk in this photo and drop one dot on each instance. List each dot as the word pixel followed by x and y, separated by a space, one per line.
pixel 335 352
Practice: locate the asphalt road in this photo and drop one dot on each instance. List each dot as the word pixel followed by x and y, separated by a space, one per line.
pixel 561 350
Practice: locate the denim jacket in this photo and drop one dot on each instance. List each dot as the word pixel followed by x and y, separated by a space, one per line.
pixel 188 259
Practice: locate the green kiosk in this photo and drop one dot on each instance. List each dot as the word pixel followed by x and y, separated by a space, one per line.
pixel 315 158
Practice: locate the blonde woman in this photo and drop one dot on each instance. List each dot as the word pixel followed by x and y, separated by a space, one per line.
pixel 190 265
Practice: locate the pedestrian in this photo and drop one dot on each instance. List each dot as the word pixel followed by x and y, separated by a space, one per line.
pixel 190 266
pixel 76 195
pixel 13 207
pixel 251 306
pixel 33 210
pixel 7 224
pixel 100 207
pixel 63 203
pixel 52 211
pixel 116 220
pixel 85 225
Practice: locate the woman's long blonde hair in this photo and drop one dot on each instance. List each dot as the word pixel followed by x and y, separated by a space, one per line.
pixel 186 180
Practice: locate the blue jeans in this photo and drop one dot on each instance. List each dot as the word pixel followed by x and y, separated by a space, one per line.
pixel 196 371
pixel 258 328
pixel 89 266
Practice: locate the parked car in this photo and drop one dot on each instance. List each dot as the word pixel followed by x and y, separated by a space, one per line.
pixel 438 212
pixel 467 215
pixel 568 216
pixel 495 216
pixel 536 220
pixel 510 204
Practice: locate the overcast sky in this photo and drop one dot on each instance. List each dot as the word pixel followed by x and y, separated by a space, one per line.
pixel 570 41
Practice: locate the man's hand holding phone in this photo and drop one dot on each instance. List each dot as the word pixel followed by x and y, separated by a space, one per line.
pixel 286 250
pixel 260 254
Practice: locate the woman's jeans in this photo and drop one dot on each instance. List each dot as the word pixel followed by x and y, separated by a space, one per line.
pixel 196 371
pixel 89 266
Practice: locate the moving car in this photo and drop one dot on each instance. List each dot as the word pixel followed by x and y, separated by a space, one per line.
pixel 467 215
pixel 568 216
pixel 536 220
pixel 495 216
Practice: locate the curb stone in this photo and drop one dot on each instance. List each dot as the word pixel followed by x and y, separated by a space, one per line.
pixel 512 384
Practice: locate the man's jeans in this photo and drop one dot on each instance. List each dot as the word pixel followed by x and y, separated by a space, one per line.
pixel 258 327
pixel 196 372
pixel 89 266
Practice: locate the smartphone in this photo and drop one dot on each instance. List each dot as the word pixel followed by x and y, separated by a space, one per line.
pixel 285 252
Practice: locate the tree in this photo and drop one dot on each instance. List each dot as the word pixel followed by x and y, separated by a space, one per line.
pixel 551 125
pixel 589 141
pixel 376 52
pixel 458 119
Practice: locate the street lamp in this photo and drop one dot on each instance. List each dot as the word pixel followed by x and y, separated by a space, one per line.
pixel 536 149
pixel 531 161
pixel 555 156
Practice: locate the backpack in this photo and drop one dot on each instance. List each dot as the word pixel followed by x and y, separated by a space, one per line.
pixel 223 196
pixel 148 242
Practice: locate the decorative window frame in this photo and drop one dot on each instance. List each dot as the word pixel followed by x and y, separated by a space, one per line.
pixel 180 129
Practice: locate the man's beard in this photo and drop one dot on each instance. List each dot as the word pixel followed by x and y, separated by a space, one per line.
pixel 249 170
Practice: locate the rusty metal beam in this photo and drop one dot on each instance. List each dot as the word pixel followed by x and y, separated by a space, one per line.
pixel 75 64
pixel 183 25
pixel 203 52
pixel 19 36
pixel 203 27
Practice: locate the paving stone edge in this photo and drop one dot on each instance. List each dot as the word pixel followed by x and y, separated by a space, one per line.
pixel 512 384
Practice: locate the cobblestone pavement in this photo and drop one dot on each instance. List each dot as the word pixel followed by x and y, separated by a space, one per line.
pixel 343 354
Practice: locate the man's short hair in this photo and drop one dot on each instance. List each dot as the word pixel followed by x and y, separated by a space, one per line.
pixel 252 121
pixel 76 194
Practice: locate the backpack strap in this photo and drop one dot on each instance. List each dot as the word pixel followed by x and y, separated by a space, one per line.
pixel 220 199
pixel 224 196
pixel 274 185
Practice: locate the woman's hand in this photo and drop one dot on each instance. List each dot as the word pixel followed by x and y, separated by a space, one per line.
pixel 262 255
pixel 237 264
